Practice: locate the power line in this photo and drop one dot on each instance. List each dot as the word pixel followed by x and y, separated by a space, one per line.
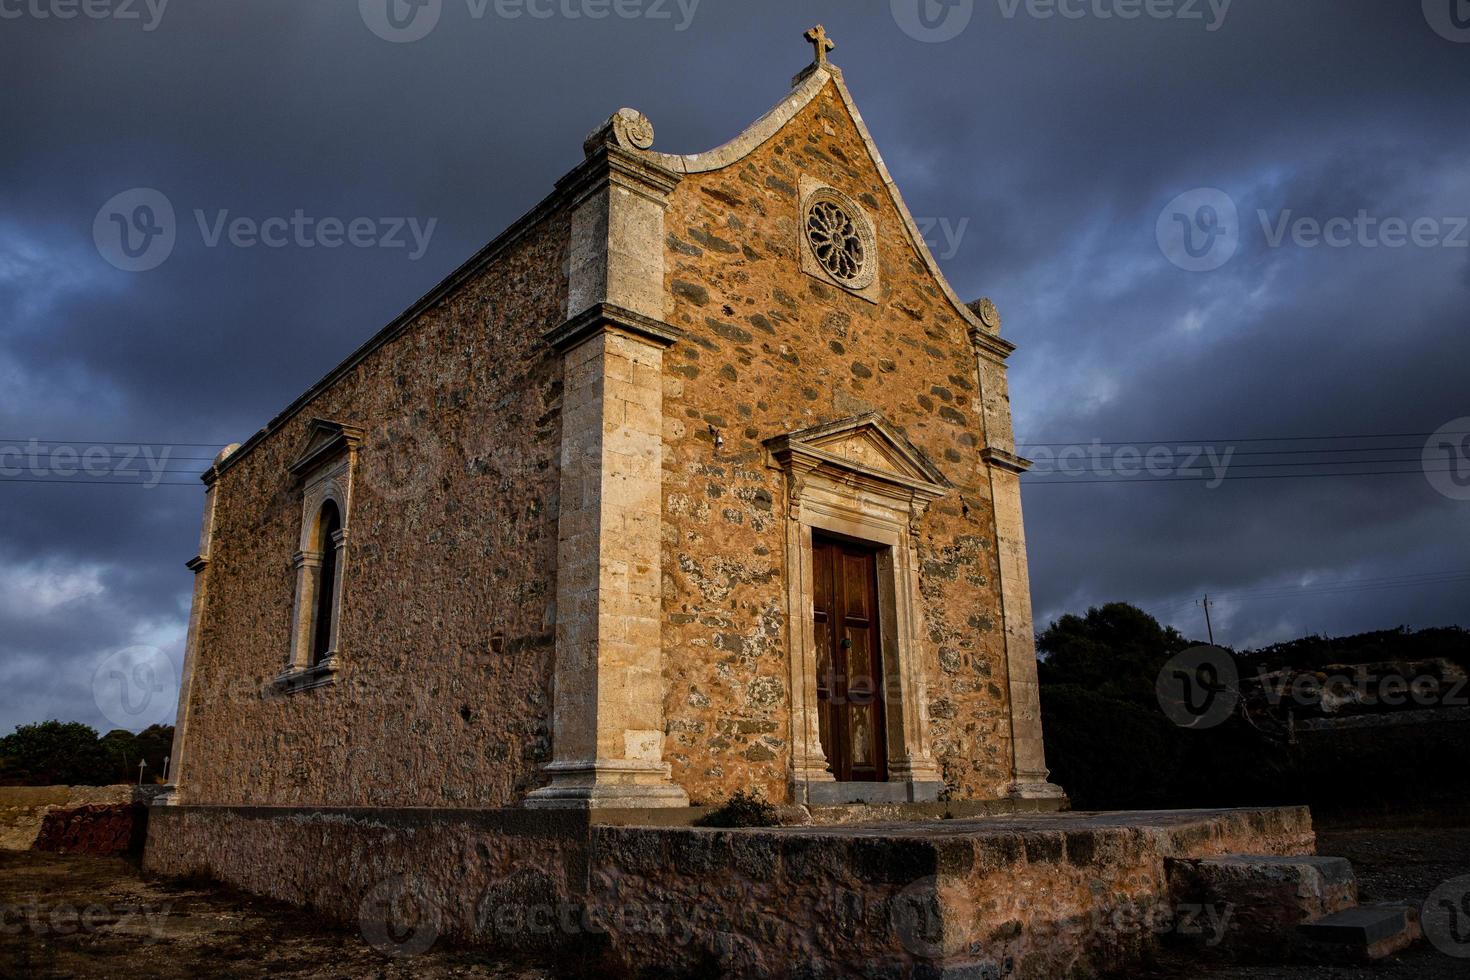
pixel 96 482
pixel 1331 587
pixel 1232 479
pixel 116 442
pixel 1143 442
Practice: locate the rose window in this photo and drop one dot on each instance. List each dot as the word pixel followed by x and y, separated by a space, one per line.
pixel 836 240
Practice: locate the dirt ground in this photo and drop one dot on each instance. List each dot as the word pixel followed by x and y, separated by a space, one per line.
pixel 100 917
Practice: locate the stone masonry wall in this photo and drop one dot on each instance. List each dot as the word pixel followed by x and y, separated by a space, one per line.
pixel 1033 898
pixel 769 350
pixel 446 636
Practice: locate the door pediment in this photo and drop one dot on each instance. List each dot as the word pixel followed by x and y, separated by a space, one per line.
pixel 865 447
pixel 325 440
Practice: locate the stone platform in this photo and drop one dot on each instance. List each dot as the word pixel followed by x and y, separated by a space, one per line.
pixel 1028 895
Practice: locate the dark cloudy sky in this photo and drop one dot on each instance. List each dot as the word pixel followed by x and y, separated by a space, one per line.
pixel 1046 153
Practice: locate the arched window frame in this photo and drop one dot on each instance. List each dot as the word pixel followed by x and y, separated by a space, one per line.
pixel 324 470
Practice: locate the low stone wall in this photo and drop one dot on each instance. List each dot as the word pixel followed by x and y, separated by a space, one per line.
pixel 1028 896
pixel 101 830
pixel 1041 896
pixel 23 809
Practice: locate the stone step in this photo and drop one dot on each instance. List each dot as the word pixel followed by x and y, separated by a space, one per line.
pixel 1367 932
pixel 1290 889
pixel 1263 898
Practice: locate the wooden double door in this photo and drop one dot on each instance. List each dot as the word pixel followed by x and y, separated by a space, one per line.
pixel 849 660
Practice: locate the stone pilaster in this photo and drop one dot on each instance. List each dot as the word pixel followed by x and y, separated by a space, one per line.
pixel 303 623
pixel 339 569
pixel 1003 471
pixel 199 565
pixel 607 716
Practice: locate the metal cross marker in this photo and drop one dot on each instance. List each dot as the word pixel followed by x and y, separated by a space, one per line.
pixel 819 40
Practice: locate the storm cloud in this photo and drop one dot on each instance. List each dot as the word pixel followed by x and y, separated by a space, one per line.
pixel 327 162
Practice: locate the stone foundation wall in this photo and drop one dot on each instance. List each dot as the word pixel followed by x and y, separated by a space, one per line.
pixel 1033 896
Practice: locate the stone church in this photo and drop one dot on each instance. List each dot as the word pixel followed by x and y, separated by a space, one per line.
pixel 699 478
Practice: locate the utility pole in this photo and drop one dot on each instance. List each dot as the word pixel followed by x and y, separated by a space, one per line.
pixel 1208 628
pixel 142 764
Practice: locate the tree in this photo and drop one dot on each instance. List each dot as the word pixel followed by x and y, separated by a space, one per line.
pixel 1115 650
pixel 54 753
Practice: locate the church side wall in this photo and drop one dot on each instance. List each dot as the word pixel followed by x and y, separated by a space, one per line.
pixel 447 622
pixel 768 350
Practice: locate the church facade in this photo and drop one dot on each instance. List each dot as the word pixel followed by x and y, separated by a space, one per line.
pixel 699 478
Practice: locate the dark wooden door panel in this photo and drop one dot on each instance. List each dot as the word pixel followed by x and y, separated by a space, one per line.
pixel 849 659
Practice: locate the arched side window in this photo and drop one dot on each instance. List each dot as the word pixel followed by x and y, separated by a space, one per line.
pixel 324 471
pixel 328 585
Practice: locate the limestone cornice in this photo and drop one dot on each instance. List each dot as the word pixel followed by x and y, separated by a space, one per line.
pixel 611 164
pixel 1003 460
pixel 605 316
pixel 991 345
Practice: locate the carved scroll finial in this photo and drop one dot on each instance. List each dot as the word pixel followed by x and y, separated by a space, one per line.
pixel 819 40
pixel 627 128
pixel 988 314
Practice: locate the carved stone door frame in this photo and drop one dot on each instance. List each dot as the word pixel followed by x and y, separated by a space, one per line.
pixel 858 478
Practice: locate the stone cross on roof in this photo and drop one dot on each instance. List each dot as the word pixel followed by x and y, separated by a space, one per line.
pixel 819 40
